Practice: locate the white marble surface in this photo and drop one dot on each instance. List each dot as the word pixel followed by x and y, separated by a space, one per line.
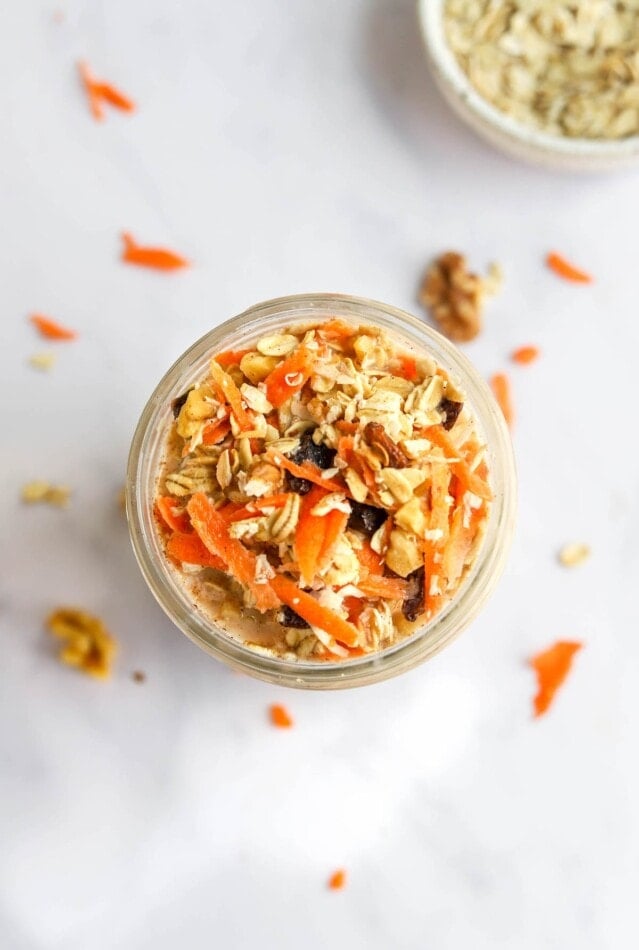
pixel 291 146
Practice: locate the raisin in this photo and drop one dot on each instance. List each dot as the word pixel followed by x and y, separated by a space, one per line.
pixel 413 604
pixel 376 435
pixel 301 486
pixel 177 404
pixel 451 411
pixel 308 451
pixel 288 618
pixel 366 518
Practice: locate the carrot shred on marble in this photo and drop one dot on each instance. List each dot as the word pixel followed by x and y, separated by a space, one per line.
pixel 552 667
pixel 157 258
pixel 337 880
pixel 567 271
pixel 51 329
pixel 525 355
pixel 99 92
pixel 500 385
pixel 280 716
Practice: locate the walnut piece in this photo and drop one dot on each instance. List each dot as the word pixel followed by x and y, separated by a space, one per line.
pixel 455 297
pixel 87 644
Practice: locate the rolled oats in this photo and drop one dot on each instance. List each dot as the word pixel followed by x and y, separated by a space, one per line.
pixel 568 67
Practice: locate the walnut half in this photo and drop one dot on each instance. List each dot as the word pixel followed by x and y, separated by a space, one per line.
pixel 455 297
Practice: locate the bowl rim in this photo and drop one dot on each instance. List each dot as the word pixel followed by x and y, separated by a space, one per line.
pixel 149 441
pixel 450 72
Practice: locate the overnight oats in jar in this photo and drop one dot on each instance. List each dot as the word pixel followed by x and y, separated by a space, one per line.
pixel 321 491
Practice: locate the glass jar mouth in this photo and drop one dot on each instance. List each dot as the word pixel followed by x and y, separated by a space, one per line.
pixel 147 450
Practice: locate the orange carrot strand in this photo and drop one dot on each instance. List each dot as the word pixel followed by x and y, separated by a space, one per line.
pixel 525 355
pixel 280 716
pixel 157 258
pixel 552 667
pixel 99 92
pixel 567 271
pixel 51 329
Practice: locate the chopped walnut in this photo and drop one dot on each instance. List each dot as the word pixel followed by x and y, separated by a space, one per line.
pixel 455 297
pixel 36 492
pixel 87 644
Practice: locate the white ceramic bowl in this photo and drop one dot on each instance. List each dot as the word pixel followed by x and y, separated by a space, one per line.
pixel 505 133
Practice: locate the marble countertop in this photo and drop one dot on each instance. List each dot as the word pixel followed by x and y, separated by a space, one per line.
pixel 289 146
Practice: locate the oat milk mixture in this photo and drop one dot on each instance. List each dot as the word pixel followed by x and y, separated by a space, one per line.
pixel 325 492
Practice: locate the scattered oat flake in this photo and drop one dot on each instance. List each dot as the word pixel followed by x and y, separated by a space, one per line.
pixel 572 555
pixel 138 676
pixel 40 491
pixel 99 92
pixel 525 355
pixel 337 880
pixel 562 268
pixel 51 329
pixel 280 716
pixel 552 666
pixel 42 361
pixel 500 385
pixel 87 644
pixel 157 258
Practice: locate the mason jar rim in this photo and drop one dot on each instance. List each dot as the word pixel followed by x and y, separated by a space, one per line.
pixel 148 447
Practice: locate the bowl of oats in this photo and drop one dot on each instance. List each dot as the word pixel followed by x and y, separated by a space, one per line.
pixel 552 83
pixel 321 492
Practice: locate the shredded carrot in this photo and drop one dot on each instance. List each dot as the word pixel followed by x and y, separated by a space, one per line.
pixel 388 588
pixel 334 527
pixel 158 258
pixel 552 666
pixel 99 92
pixel 310 535
pixel 337 880
pixel 280 716
pixel 354 605
pixel 562 268
pixel 175 520
pixel 348 428
pixel 408 367
pixel 305 470
pixel 229 391
pixel 312 612
pixel 50 329
pixel 370 560
pixel 230 357
pixel 214 432
pixel 525 355
pixel 240 562
pixel 470 480
pixel 289 376
pixel 500 386
pixel 335 330
pixel 189 549
pixel 272 501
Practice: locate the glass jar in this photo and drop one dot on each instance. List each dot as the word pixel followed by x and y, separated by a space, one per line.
pixel 147 452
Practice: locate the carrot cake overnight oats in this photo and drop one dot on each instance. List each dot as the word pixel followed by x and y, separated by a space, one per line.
pixel 324 491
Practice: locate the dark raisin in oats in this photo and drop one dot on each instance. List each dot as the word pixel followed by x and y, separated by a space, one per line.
pixel 308 451
pixel 366 518
pixel 288 618
pixel 177 404
pixel 450 410
pixel 301 486
pixel 413 604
